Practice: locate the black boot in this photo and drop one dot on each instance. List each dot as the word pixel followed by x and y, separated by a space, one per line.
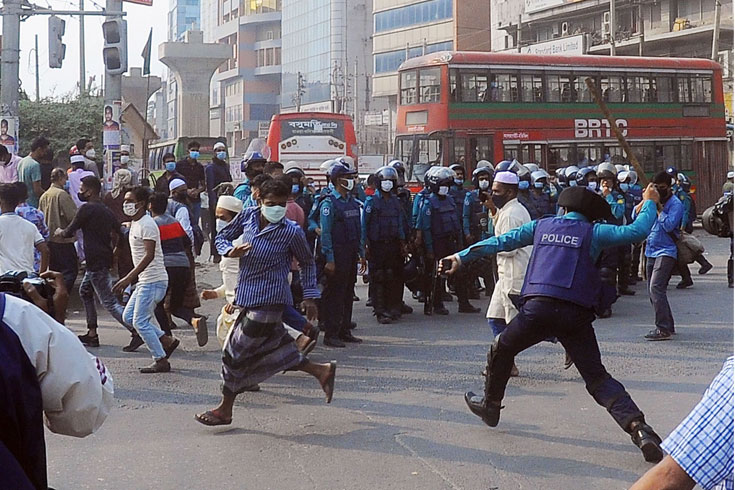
pixel 729 273
pixel 647 441
pixel 480 405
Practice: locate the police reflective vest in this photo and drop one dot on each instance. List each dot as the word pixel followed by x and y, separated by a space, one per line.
pixel 384 223
pixel 444 218
pixel 560 265
pixel 346 229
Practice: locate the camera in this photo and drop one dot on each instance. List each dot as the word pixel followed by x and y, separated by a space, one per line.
pixel 12 283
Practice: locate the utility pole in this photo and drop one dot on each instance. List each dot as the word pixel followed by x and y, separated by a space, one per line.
pixel 38 90
pixel 113 83
pixel 82 68
pixel 613 27
pixel 716 30
pixel 9 84
pixel 642 28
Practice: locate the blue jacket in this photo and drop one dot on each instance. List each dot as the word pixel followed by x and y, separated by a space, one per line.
pixel 603 236
pixel 660 242
pixel 326 223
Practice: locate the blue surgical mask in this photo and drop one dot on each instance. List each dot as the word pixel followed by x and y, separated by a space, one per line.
pixel 523 185
pixel 624 187
pixel 295 188
pixel 273 214
pixel 220 225
pixel 193 154
pixel 67 186
pixel 170 166
pixel 221 155
pixel 459 182
pixel 331 186
pixel 592 186
pixel 538 185
pixel 572 183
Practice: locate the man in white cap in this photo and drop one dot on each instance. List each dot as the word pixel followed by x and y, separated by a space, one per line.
pixel 76 174
pixel 507 214
pixel 125 163
pixel 178 206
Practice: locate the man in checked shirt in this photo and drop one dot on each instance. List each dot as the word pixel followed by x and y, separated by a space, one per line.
pixel 701 448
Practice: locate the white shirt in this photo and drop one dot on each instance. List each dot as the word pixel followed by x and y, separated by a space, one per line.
pixel 511 265
pixel 9 172
pixel 18 238
pixel 146 229
pixel 182 216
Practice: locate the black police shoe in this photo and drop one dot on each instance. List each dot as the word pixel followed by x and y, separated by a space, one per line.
pixel 468 308
pixel 658 334
pixel 647 441
pixel 333 342
pixel 441 310
pixel 385 319
pixel 685 284
pixel 348 337
pixel 626 292
pixel 489 414
pixel 405 309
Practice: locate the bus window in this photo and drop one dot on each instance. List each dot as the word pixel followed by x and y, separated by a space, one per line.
pixel 453 95
pixel 482 149
pixel 612 88
pixel 429 85
pixel 458 150
pixel 636 87
pixel 701 87
pixel 408 87
pixel 404 146
pixel 504 87
pixel 684 93
pixel 474 87
pixel 583 92
pixel 562 155
pixel 532 87
pixel 429 154
pixel 662 88
pixel 554 85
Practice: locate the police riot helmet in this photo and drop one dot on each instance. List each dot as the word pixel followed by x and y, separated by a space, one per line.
pixel 339 170
pixel 488 171
pixel 629 176
pixel 347 161
pixel 671 170
pixel 326 166
pixel 619 168
pixel 441 177
pixel 258 152
pixel 485 163
pixel 583 174
pixel 570 173
pixel 532 167
pixel 400 170
pixel 386 173
pixel 456 168
pixel 296 172
pixel 561 176
pixel 606 170
pixel 539 175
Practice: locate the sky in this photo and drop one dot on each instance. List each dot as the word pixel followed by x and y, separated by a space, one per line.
pixel 56 82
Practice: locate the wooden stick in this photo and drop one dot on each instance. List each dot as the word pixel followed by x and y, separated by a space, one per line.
pixel 618 134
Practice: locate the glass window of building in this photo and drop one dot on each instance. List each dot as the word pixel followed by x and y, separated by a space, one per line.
pixel 429 85
pixel 408 87
pixel 418 13
pixel 474 87
pixel 532 87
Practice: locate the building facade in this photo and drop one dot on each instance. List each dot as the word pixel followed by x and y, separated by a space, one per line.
pixel 405 29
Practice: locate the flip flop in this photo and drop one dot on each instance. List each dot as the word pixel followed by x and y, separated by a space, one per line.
pixel 309 347
pixel 211 419
pixel 328 387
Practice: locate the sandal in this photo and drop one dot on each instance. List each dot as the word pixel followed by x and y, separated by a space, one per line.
pixel 328 386
pixel 211 419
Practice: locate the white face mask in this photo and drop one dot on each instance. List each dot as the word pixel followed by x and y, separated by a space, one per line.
pixel 220 225
pixel 349 184
pixel 443 190
pixel 90 154
pixel 484 184
pixel 273 214
pixel 592 186
pixel 130 209
pixel 124 159
pixel 386 185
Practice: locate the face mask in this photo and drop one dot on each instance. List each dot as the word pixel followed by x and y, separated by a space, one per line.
pixel 221 155
pixel 90 154
pixel 81 197
pixel 624 187
pixel 331 186
pixel 484 184
pixel 386 185
pixel 443 190
pixel 193 154
pixel 592 186
pixel 67 186
pixel 295 188
pixel 523 185
pixel 130 208
pixel 273 214
pixel 170 166
pixel 220 225
pixel 349 184
pixel 459 182
pixel 572 183
pixel 538 185
pixel 499 200
pixel 124 159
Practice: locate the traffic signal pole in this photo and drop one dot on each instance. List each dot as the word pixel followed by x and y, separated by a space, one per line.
pixel 113 83
pixel 10 82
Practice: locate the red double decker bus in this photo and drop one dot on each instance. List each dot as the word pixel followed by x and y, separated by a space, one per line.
pixel 468 106
pixel 309 138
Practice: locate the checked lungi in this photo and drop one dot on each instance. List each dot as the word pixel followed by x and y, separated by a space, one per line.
pixel 257 348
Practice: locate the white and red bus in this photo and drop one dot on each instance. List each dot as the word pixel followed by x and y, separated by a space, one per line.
pixel 310 138
pixel 468 106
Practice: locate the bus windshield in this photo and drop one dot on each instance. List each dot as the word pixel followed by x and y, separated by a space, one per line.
pixel 419 152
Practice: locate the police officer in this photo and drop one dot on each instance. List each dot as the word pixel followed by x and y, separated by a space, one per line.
pixel 339 222
pixel 404 196
pixel 440 229
pixel 687 225
pixel 570 173
pixel 303 199
pixel 384 239
pixel 558 300
pixel 252 166
pixel 633 196
pixel 541 193
pixel 476 225
pixel 458 192
pixel 423 280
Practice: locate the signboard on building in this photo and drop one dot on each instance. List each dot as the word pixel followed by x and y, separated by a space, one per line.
pixel 263 127
pixel 572 45
pixel 373 119
pixel 538 5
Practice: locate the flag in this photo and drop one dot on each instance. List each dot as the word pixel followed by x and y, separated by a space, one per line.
pixel 146 54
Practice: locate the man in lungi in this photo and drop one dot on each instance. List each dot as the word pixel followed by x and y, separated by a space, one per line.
pixel 259 346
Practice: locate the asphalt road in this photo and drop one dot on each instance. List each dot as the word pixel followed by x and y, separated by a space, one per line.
pixel 398 420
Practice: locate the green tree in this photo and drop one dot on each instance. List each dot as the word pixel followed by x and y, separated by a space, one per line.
pixel 61 122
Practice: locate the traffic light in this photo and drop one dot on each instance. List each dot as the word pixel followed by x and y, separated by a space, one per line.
pixel 115 52
pixel 56 49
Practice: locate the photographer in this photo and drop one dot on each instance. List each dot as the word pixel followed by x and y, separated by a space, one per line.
pixel 45 374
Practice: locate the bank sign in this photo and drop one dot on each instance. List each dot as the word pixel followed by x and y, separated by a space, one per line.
pixel 570 46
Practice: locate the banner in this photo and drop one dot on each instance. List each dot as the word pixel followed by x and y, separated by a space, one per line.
pixel 9 133
pixel 111 125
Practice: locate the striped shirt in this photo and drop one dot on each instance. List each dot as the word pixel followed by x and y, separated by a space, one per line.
pixel 174 241
pixel 702 445
pixel 264 270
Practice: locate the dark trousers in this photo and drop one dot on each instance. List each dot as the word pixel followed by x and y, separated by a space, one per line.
pixel 293 318
pixel 540 318
pixel 64 259
pixel 635 260
pixel 624 271
pixel 212 229
pixel 178 280
pixel 444 247
pixel 335 310
pixel 100 283
pixel 658 274
pixel 386 277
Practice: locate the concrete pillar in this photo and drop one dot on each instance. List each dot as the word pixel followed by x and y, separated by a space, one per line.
pixel 193 63
pixel 134 87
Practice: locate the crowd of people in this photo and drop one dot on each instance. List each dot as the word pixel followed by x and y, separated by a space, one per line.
pixel 290 255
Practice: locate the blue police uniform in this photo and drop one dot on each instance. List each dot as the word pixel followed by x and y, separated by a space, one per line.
pixel 404 197
pixel 524 197
pixel 418 204
pixel 383 233
pixel 611 259
pixel 243 191
pixel 458 195
pixel 475 222
pixel 558 300
pixel 543 203
pixel 339 220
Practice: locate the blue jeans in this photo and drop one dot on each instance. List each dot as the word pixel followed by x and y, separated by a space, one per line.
pixel 196 212
pixel 658 272
pixel 497 325
pixel 99 282
pixel 293 318
pixel 139 313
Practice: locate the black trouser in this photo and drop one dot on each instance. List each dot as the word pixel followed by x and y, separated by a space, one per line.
pixel 624 271
pixel 386 277
pixel 608 263
pixel 444 247
pixel 64 259
pixel 178 280
pixel 212 229
pixel 541 318
pixel 335 311
pixel 635 262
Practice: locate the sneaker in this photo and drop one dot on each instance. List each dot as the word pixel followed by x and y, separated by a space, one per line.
pixel 200 328
pixel 705 268
pixel 658 334
pixel 135 342
pixel 89 341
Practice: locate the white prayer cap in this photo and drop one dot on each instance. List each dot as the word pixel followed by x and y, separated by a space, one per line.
pixel 175 183
pixel 220 145
pixel 77 159
pixel 230 203
pixel 506 178
pixel 125 148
